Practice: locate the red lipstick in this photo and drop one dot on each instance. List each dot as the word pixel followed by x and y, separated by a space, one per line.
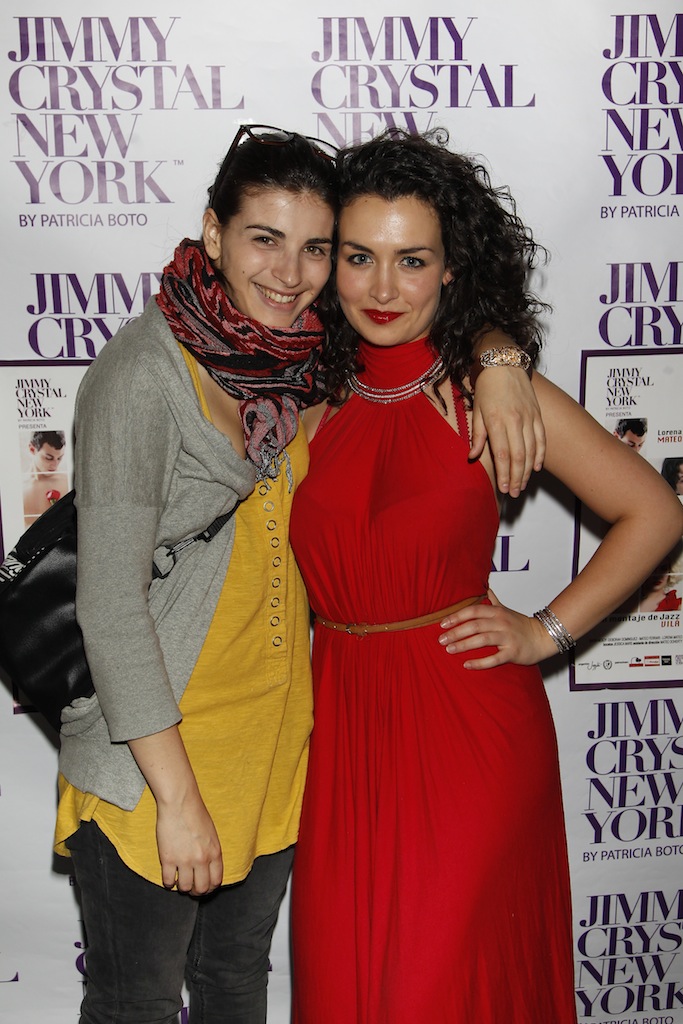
pixel 381 316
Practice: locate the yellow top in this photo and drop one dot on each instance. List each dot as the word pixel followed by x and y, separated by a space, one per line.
pixel 247 709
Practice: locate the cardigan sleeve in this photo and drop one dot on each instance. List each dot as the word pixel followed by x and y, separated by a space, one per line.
pixel 127 442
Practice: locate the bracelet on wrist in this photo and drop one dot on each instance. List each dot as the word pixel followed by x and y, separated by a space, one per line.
pixel 508 355
pixel 563 640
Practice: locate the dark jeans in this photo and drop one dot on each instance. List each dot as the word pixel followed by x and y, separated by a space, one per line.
pixel 143 939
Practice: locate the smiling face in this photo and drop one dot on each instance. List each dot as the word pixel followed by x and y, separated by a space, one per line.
pixel 275 253
pixel 390 268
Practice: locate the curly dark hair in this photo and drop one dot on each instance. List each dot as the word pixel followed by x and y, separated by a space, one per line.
pixel 488 249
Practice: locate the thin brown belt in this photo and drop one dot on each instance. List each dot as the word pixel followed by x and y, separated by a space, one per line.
pixel 363 628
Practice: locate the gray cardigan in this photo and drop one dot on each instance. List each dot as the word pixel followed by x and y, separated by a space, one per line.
pixel 149 470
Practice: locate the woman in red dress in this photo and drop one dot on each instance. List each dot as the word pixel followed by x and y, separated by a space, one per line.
pixel 430 881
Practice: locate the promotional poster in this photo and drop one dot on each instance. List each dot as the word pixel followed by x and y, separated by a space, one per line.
pixel 637 400
pixel 115 123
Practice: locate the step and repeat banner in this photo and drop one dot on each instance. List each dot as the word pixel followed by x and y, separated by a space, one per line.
pixel 113 126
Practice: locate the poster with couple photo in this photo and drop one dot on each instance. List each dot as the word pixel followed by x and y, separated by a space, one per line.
pixel 36 456
pixel 636 395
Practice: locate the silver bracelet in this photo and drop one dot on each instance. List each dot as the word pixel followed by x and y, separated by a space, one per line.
pixel 564 641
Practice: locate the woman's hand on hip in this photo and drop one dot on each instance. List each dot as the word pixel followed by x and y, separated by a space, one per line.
pixel 518 638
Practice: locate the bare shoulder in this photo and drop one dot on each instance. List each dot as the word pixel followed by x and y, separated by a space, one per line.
pixel 311 418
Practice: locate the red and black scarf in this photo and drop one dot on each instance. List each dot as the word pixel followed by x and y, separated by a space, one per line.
pixel 272 371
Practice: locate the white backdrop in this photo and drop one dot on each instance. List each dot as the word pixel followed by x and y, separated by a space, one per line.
pixel 112 128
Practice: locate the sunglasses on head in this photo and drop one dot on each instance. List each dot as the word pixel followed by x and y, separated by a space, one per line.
pixel 269 135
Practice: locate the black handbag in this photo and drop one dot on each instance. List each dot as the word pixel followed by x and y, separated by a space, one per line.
pixel 41 644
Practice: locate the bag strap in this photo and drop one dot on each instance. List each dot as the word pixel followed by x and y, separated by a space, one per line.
pixel 207 535
pixel 60 521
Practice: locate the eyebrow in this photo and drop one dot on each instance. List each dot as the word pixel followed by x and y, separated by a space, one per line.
pixel 281 234
pixel 399 252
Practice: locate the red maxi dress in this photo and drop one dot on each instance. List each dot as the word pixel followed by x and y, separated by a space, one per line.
pixel 430 878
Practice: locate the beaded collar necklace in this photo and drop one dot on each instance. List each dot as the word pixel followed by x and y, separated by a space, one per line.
pixel 385 396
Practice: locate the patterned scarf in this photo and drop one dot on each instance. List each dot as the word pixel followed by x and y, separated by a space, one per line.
pixel 272 371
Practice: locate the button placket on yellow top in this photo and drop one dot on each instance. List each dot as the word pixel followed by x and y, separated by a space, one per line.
pixel 274 525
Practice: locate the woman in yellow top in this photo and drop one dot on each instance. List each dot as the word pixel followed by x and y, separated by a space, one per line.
pixel 185 770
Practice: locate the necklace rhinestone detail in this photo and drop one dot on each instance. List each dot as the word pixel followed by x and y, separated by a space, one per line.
pixel 385 396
